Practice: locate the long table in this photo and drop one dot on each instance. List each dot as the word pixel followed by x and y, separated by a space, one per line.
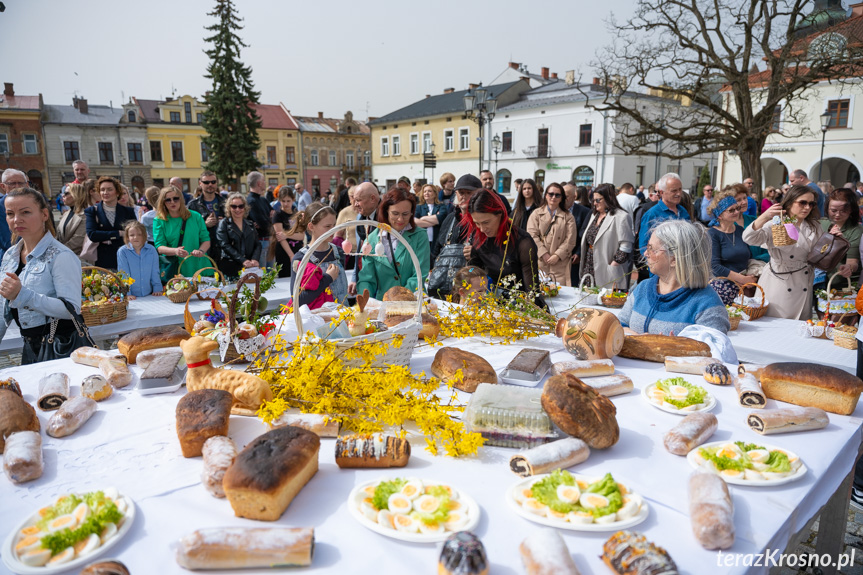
pixel 151 311
pixel 131 443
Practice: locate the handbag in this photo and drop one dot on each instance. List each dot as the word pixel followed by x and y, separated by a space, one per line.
pixel 169 266
pixel 61 346
pixel 448 262
pixel 828 252
pixel 89 251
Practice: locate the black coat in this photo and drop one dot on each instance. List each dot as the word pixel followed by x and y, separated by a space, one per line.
pixel 100 231
pixel 424 210
pixel 237 245
pixel 199 206
pixel 259 214
pixel 582 217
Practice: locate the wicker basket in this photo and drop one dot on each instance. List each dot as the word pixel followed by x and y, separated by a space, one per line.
pixel 845 337
pixel 180 296
pixel 230 345
pixel 189 320
pixel 734 321
pixel 613 302
pixel 586 297
pixel 203 287
pixel 780 234
pixel 754 312
pixel 107 312
pixel 407 330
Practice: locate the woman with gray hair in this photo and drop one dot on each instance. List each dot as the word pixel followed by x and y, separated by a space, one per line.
pixel 678 294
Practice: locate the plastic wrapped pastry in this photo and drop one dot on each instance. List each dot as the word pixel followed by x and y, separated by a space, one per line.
pixel 585 368
pixel 690 365
pixel 22 460
pixel 71 416
pixel 219 453
pixel 92 356
pixel 372 450
pixel 692 431
pixel 787 420
pixel 110 567
pixel 53 391
pixel 545 553
pixel 630 553
pixel 116 371
pixel 610 385
pixel 711 511
pixel 749 390
pixel 545 458
pixel 96 387
pixel 242 548
pixel 462 554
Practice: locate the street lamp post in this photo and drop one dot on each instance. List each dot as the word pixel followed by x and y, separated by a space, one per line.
pixel 481 109
pixel 495 145
pixel 598 147
pixel 826 117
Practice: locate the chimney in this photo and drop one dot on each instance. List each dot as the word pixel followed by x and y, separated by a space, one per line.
pixel 514 65
pixel 82 105
pixel 320 115
pixel 525 78
pixel 448 90
pixel 544 73
pixel 372 118
pixel 554 75
pixel 596 81
pixel 8 90
pixel 472 86
pixel 428 95
pixel 570 77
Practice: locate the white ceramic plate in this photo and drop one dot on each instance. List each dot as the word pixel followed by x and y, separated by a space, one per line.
pixel 357 496
pixel 551 522
pixel 709 405
pixel 801 471
pixel 11 561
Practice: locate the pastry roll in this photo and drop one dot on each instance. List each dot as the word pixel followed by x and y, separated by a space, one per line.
pixel 545 553
pixel 753 369
pixel 71 415
pixel 610 385
pixel 749 390
pixel 53 391
pixel 717 374
pixel 375 450
pixel 550 456
pixel 711 511
pixel 242 547
pixel 586 368
pixel 22 460
pixel 690 365
pixel 320 425
pixel 630 553
pixel 219 454
pixel 116 371
pixel 92 356
pixel 787 420
pixel 96 387
pixel 12 385
pixel 692 431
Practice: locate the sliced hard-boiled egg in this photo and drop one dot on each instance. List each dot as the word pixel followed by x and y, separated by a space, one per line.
pixel 656 395
pixel 693 407
pixel 412 489
pixel 35 557
pixel 730 451
pixel 405 523
pixel 732 473
pixel 454 505
pixel 678 392
pixel 758 455
pixel 111 493
pixel 31 530
pixel 398 503
pixel 427 503
pixel 579 517
pixel 369 490
pixel 88 545
pixel 81 513
pixel 593 500
pixel 552 514
pixel 623 489
pixel 385 519
pixel 534 506
pixel 752 475
pixel 456 520
pixel 368 509
pixel 27 543
pixel 631 506
pixel 759 466
pixel 582 484
pixel 108 532
pixel 67 521
pixel 62 557
pixel 699 459
pixel 773 475
pixel 568 493
pixel 520 494
pixel 122 505
pixel 606 519
pixel 430 528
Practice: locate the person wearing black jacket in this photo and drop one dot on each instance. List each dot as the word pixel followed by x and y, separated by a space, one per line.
pixel 237 238
pixel 638 258
pixel 105 222
pixel 259 208
pixel 211 206
pixel 581 215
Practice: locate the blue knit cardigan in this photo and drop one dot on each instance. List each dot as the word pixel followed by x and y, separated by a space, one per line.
pixel 648 311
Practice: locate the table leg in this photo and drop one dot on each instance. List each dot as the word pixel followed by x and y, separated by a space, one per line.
pixel 833 524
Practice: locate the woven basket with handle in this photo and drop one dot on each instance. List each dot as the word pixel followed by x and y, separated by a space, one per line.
pixel 780 234
pixel 105 312
pixel 231 347
pixel 613 302
pixel 754 312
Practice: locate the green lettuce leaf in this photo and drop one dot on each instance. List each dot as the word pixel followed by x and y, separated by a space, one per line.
pixel 384 490
pixel 696 394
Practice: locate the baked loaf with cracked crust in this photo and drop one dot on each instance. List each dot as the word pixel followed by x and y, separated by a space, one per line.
pixel 15 415
pixel 134 342
pixel 581 411
pixel 399 293
pixel 201 415
pixel 475 369
pixel 271 471
pixel 812 385
pixel 652 347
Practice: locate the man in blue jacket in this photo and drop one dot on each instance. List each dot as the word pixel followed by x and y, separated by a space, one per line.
pixel 670 193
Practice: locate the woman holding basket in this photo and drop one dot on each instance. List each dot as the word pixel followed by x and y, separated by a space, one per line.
pixel 787 278
pixel 179 233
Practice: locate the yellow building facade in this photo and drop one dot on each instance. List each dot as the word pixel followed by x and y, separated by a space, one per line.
pixel 175 133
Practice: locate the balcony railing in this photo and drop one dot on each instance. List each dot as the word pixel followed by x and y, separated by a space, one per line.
pixel 538 152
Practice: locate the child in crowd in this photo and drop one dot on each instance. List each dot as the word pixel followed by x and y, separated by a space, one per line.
pixel 326 265
pixel 147 212
pixel 140 261
pixel 469 283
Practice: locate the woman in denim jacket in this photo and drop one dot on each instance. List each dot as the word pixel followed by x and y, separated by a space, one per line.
pixel 35 273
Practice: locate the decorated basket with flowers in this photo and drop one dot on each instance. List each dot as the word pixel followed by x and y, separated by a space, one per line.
pixel 587 295
pixel 839 303
pixel 401 339
pixel 613 297
pixel 179 288
pixel 845 336
pixel 104 295
pixel 549 285
pixel 784 232
pixel 734 316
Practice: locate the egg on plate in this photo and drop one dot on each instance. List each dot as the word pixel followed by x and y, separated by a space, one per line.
pixel 405 523
pixel 62 557
pixel 593 500
pixel 385 519
pixel 568 493
pixel 88 545
pixel 399 503
pixel 412 489
pixel 534 506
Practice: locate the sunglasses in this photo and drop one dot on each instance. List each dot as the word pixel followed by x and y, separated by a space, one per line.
pixel 554 195
pixel 238 207
pixel 596 201
pixel 804 203
pixel 208 182
pixel 172 200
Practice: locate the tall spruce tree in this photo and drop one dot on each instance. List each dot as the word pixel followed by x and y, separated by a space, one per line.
pixel 231 122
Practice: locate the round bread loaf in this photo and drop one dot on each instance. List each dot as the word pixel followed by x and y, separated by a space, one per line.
pixel 580 411
pixel 475 369
pixel 399 293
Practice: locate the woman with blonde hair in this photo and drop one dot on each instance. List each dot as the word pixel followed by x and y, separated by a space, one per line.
pixel 552 227
pixel 179 233
pixel 428 204
pixel 72 228
pixel 769 198
pixel 677 294
pixel 237 237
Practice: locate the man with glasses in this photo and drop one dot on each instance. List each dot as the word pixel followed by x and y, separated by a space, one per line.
pixel 211 205
pixel 702 203
pixel 670 190
pixel 366 200
pixel 11 180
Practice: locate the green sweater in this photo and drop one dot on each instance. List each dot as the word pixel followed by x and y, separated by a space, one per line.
pixel 167 233
pixel 378 274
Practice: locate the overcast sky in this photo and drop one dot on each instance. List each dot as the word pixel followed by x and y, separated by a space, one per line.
pixel 331 56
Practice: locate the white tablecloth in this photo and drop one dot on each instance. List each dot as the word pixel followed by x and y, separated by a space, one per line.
pixel 152 311
pixel 131 443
